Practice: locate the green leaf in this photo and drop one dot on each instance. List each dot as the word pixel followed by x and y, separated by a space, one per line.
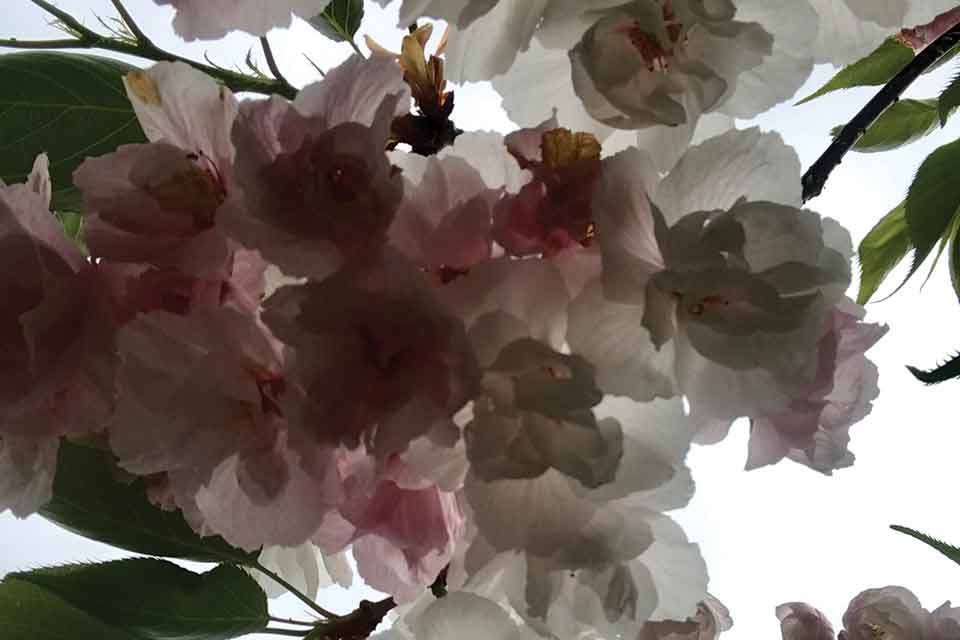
pixel 158 600
pixel 949 99
pixel 65 104
pixel 882 250
pixel 29 612
pixel 933 200
pixel 72 224
pixel 904 122
pixel 955 260
pixel 90 499
pixel 950 551
pixel 949 370
pixel 340 20
pixel 874 70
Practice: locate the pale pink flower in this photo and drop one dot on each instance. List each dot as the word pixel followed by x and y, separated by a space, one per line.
pixel 813 429
pixel 197 390
pixel 56 323
pixel 376 359
pixel 892 613
pixel 800 621
pixel 318 188
pixel 213 19
pixel 444 221
pixel 154 204
pixel 552 212
pixel 404 536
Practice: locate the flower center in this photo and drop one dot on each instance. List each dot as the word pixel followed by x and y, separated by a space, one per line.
pixel 656 52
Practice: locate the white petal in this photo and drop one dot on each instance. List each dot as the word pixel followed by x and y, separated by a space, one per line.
pixel 678 571
pixel 186 108
pixel 611 336
pixel 718 172
pixel 465 616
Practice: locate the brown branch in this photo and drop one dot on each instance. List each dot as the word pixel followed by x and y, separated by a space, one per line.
pixel 271 61
pixel 816 176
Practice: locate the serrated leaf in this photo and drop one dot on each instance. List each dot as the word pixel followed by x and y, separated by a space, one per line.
pixel 949 99
pixel 29 612
pixel 881 250
pixel 955 260
pixel 65 104
pixel 949 370
pixel 874 70
pixel 933 200
pixel 948 550
pixel 90 500
pixel 340 20
pixel 158 600
pixel 904 122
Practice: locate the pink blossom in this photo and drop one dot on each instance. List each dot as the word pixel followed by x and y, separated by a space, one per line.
pixel 376 359
pixel 444 221
pixel 318 188
pixel 196 390
pixel 813 429
pixel 890 612
pixel 404 537
pixel 800 621
pixel 552 212
pixel 56 322
pixel 154 204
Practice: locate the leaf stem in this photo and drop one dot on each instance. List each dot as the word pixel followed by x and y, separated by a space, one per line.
pixel 143 48
pixel 356 48
pixel 300 596
pixel 816 176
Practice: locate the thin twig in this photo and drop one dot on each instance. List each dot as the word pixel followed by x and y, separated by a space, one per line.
pixel 355 47
pixel 289 587
pixel 131 24
pixel 89 39
pixel 816 176
pixel 301 623
pixel 286 632
pixel 271 61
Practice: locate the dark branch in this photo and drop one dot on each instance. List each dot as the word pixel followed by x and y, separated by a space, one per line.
pixel 272 62
pixel 816 176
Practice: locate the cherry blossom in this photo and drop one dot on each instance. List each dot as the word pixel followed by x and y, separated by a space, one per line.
pixel 800 621
pixel 318 189
pixel 814 428
pixel 728 279
pixel 376 359
pixel 206 20
pixel 57 323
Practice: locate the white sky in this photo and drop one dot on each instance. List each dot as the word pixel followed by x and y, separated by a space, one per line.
pixel 769 536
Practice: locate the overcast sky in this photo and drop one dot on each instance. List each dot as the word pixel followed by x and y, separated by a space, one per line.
pixel 769 536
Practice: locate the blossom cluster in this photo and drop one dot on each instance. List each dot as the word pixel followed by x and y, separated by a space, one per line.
pixel 489 361
pixel 889 612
